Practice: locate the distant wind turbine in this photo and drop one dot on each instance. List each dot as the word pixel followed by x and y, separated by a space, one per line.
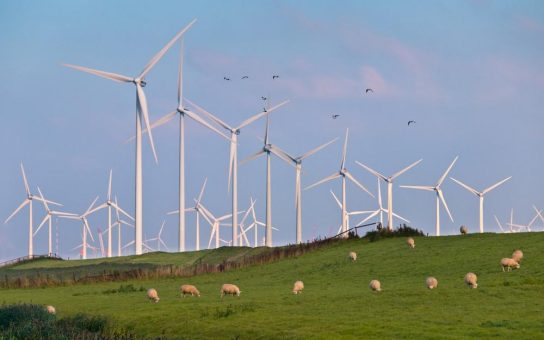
pixel 159 239
pixel 86 228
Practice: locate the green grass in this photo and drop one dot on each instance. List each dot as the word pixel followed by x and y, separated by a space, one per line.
pixel 336 301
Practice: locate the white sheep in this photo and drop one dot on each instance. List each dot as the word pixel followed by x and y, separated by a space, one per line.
pixel 463 230
pixel 353 256
pixel 471 280
pixel 298 287
pixel 189 289
pixel 509 264
pixel 51 310
pixel 231 289
pixel 517 255
pixel 411 243
pixel 431 282
pixel 375 285
pixel 153 295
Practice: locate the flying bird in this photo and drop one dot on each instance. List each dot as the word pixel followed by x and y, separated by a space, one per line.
pixel 263 98
pixel 245 77
pixel 226 78
pixel 275 76
pixel 264 109
pixel 411 121
pixel 369 90
pixel 335 116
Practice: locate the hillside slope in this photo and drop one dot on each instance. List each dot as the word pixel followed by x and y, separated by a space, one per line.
pixel 337 301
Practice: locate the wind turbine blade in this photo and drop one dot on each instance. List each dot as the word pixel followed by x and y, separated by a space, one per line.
pixel 175 212
pixel 286 155
pixel 372 171
pixel 25 180
pixel 368 217
pixel 418 187
pixel 163 51
pixel 379 193
pixel 202 122
pixel 446 173
pixel 41 224
pixel 101 206
pixel 322 146
pixel 232 152
pixel 201 191
pixel 164 244
pixel 261 114
pixel 326 179
pixel 121 210
pixel 499 223
pixel 336 199
pixel 472 190
pixel 88 228
pixel 209 115
pixel 400 217
pixel 252 157
pixel 108 75
pixel 266 130
pixel 109 185
pixel 441 195
pixel 91 206
pixel 117 209
pixel 180 76
pixel 539 213
pixel 37 198
pixel 142 101
pixel 350 176
pixel 405 169
pixel 43 200
pixel 128 244
pixel 278 152
pixel 159 122
pixel 495 185
pixel 25 202
pixel 345 150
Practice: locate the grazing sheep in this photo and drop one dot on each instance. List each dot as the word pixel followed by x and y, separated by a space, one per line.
pixel 509 264
pixel 431 282
pixel 228 288
pixel 463 230
pixel 153 295
pixel 517 255
pixel 410 241
pixel 51 310
pixel 375 285
pixel 353 256
pixel 471 280
pixel 189 289
pixel 298 287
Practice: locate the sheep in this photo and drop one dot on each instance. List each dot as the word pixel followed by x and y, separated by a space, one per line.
pixel 471 280
pixel 509 264
pixel 353 256
pixel 153 295
pixel 375 285
pixel 410 241
pixel 463 230
pixel 189 289
pixel 51 310
pixel 298 287
pixel 517 255
pixel 431 282
pixel 228 288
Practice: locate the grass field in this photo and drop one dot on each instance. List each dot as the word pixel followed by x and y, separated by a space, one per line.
pixel 336 301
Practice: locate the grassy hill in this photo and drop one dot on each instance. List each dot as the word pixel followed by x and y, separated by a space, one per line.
pixel 336 301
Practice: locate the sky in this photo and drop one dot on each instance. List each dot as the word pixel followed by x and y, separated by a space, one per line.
pixel 470 73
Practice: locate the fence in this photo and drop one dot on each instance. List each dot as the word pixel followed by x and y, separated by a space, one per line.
pixel 28 257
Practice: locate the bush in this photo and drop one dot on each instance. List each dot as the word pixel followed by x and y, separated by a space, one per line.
pixel 401 231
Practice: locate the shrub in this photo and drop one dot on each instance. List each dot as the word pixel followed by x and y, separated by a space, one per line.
pixel 401 231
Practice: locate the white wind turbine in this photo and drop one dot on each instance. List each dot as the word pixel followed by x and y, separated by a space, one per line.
pixel 348 213
pixel 183 112
pixel 119 222
pixel 539 213
pixel 389 180
pixel 28 200
pixel 254 225
pixel 141 112
pixel 233 158
pixel 298 171
pixel 159 239
pixel 480 195
pixel 48 218
pixel 343 172
pixel 529 225
pixel 215 223
pixel 198 210
pixel 109 203
pixel 439 195
pixel 86 229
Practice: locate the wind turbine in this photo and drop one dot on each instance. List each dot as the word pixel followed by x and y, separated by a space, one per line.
pixel 439 194
pixel 141 112
pixel 348 213
pixel 389 180
pixel 233 159
pixel 255 225
pixel 28 200
pixel 480 195
pixel 119 222
pixel 159 239
pixel 50 213
pixel 110 204
pixel 86 228
pixel 539 213
pixel 182 112
pixel 197 209
pixel 298 171
pixel 343 172
pixel 101 242
pixel 529 225
pixel 215 223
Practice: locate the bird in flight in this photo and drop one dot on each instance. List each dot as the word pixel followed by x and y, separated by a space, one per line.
pixel 226 78
pixel 410 122
pixel 264 109
pixel 335 116
pixel 263 98
pixel 369 90
pixel 245 77
pixel 275 76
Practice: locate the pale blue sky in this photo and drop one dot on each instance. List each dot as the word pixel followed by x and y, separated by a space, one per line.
pixel 469 72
